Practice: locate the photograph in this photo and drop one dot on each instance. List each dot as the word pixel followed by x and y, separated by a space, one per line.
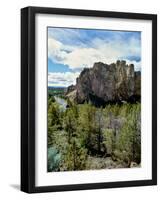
pixel 93 99
pixel 89 99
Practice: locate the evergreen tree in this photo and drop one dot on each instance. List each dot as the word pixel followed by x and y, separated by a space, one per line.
pixel 129 143
pixel 76 156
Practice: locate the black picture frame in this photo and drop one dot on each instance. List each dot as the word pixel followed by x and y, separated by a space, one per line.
pixel 28 98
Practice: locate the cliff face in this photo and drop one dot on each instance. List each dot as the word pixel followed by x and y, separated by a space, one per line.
pixel 108 83
pixel 70 89
pixel 137 90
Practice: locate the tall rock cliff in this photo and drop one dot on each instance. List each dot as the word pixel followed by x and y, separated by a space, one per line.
pixel 105 83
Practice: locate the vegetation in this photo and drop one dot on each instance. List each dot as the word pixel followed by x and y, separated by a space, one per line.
pixel 56 91
pixel 53 159
pixel 86 137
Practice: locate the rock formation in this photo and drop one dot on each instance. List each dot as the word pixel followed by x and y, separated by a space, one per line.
pixel 103 83
pixel 70 89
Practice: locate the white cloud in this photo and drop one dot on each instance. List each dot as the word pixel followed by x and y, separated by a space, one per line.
pixel 83 57
pixel 55 50
pixel 100 51
pixel 62 79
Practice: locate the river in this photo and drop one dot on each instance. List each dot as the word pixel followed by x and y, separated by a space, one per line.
pixel 62 102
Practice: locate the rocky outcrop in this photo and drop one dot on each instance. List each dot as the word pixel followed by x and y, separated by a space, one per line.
pixel 72 95
pixel 105 83
pixel 70 88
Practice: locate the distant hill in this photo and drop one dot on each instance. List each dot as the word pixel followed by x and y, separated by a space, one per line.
pixel 56 90
pixel 53 88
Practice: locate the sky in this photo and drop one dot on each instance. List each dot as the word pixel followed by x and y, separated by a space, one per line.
pixel 70 50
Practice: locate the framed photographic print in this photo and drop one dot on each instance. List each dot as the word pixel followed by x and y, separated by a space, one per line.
pixel 88 99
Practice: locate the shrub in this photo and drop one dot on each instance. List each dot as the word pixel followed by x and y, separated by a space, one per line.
pixel 53 159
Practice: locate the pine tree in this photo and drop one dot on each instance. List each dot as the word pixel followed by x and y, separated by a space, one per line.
pixel 129 143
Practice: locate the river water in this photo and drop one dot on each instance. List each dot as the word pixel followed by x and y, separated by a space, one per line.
pixel 61 102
